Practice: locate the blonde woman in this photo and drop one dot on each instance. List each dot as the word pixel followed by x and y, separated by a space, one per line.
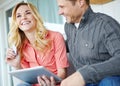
pixel 36 46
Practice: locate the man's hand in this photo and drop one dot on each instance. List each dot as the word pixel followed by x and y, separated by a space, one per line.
pixel 75 79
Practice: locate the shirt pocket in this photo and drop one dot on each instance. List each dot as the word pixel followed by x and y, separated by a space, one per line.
pixel 87 44
pixel 86 48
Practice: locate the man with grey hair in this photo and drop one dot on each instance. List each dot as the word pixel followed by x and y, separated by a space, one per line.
pixel 93 41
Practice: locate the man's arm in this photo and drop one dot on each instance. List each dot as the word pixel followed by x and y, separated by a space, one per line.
pixel 75 79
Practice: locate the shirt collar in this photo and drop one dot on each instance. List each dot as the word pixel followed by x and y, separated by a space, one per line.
pixel 26 43
pixel 84 18
pixel 86 15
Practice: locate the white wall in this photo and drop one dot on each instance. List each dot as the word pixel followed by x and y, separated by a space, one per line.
pixel 111 8
pixel 56 27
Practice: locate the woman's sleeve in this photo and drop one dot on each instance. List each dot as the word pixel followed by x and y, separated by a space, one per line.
pixel 60 51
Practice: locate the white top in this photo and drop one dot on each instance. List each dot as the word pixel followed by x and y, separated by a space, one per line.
pixel 77 25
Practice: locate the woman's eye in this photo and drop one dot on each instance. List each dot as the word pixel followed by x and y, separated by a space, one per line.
pixel 18 16
pixel 28 12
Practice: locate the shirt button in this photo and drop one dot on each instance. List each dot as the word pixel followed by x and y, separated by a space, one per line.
pixel 86 45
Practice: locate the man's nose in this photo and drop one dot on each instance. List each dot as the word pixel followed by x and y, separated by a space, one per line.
pixel 60 12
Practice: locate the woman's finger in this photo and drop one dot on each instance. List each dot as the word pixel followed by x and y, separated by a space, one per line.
pixel 53 83
pixel 41 81
pixel 46 80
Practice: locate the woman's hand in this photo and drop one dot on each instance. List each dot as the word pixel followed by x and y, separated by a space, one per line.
pixel 45 81
pixel 12 58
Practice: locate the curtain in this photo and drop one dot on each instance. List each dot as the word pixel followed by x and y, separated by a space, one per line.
pixel 48 10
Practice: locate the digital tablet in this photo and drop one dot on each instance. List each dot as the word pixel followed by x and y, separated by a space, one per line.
pixel 29 75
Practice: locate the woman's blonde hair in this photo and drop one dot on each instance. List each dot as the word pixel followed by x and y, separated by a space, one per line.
pixel 17 37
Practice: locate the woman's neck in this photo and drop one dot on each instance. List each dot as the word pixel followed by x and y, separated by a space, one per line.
pixel 31 37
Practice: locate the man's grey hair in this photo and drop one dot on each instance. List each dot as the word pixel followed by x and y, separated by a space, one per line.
pixel 73 1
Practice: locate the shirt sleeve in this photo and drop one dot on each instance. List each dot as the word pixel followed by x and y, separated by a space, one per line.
pixel 96 72
pixel 60 51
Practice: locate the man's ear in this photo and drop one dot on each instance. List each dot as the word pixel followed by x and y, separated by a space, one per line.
pixel 81 2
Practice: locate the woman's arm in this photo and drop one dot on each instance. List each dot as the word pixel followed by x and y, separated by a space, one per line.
pixel 62 73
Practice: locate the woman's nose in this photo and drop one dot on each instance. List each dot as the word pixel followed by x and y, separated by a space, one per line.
pixel 24 16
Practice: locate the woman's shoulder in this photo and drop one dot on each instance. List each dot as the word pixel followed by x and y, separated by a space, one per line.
pixel 54 33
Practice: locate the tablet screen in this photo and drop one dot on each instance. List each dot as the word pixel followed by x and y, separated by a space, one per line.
pixel 29 75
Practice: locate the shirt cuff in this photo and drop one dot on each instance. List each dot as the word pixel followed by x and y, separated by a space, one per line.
pixel 89 74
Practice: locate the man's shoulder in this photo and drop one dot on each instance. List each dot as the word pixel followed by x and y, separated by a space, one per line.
pixel 104 17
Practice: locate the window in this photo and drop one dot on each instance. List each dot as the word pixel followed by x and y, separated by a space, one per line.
pixel 48 9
